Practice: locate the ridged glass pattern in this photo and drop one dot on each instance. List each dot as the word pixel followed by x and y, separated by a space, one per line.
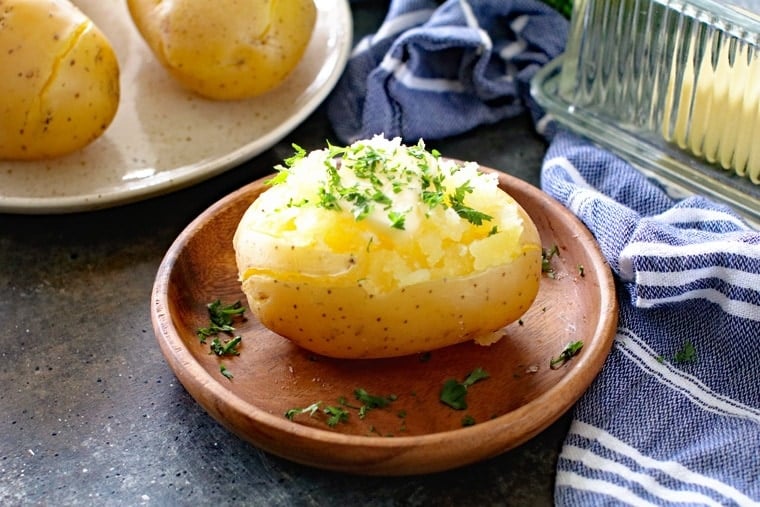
pixel 684 72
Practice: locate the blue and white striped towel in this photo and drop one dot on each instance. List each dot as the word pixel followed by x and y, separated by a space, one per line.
pixel 653 429
pixel 657 426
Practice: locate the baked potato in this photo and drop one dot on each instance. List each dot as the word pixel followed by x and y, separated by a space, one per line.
pixel 226 49
pixel 379 249
pixel 59 79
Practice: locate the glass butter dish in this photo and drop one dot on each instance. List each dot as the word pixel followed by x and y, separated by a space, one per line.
pixel 672 86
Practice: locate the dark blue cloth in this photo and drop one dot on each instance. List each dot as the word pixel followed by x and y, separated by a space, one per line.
pixel 674 416
pixel 433 71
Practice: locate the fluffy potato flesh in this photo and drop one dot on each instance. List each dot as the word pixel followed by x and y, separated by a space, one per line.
pixel 381 250
pixel 59 79
pixel 226 49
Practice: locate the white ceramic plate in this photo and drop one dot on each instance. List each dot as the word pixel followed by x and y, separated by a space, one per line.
pixel 164 138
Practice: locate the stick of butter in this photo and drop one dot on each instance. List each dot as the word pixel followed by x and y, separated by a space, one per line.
pixel 712 106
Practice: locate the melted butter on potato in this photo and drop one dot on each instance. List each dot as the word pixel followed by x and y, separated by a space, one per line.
pixel 226 49
pixel 59 79
pixel 380 249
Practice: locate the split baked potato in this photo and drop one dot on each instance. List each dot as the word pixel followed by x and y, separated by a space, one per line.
pixel 379 249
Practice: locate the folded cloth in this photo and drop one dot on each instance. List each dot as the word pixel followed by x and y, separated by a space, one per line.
pixel 674 415
pixel 435 70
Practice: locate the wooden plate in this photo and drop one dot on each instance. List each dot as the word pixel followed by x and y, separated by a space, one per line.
pixel 416 433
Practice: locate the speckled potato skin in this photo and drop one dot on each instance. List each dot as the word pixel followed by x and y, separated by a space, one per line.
pixel 348 322
pixel 226 49
pixel 59 79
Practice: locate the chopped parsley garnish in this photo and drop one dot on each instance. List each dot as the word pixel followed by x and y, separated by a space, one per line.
pixel 370 401
pixel 227 348
pixel 311 410
pixel 546 258
pixel 401 414
pixel 581 270
pixel 282 171
pixel 340 413
pixel 328 200
pixel 221 319
pixel 687 354
pixel 361 178
pixel 334 414
pixel 454 392
pixel 280 177
pixel 570 351
pixel 433 198
pixel 396 219
pixel 298 155
pixel 456 201
pixel 468 420
pixel 224 371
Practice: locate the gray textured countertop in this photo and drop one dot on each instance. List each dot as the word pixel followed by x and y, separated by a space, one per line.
pixel 90 412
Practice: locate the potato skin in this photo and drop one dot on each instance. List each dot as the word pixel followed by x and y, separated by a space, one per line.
pixel 59 79
pixel 348 322
pixel 226 49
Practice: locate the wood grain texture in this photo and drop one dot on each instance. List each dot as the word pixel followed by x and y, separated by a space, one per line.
pixel 416 433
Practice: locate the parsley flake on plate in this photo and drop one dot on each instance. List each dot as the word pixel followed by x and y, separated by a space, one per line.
pixel 335 414
pixel 221 318
pixel 454 392
pixel 370 401
pixel 227 348
pixel 546 260
pixel 224 371
pixel 570 351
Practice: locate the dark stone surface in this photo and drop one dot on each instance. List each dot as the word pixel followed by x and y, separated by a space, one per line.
pixel 90 412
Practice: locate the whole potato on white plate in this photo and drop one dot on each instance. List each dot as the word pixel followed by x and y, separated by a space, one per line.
pixel 226 49
pixel 59 79
pixel 380 250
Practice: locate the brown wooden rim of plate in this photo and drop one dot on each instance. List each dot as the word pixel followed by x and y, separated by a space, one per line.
pixel 399 455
